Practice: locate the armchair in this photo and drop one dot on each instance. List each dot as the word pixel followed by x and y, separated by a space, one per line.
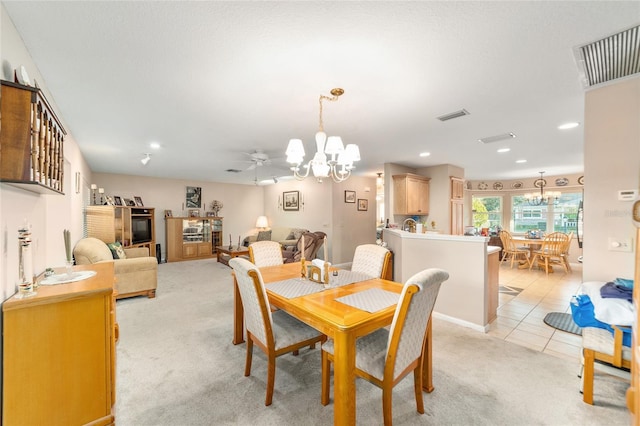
pixel 137 275
pixel 312 241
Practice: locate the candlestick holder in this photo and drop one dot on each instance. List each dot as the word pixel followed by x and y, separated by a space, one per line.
pixel 303 269
pixel 326 273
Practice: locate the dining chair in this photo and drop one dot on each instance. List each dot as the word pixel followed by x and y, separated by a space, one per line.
pixel 385 357
pixel 599 345
pixel 509 249
pixel 265 253
pixel 551 250
pixel 372 259
pixel 565 252
pixel 276 333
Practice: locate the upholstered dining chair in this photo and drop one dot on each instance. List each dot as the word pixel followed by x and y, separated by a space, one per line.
pixel 552 249
pixel 371 259
pixel 384 357
pixel 509 249
pixel 599 345
pixel 265 253
pixel 276 333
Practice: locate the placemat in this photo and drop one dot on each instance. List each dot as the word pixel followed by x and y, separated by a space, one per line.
pixel 294 287
pixel 347 277
pixel 64 278
pixel 371 300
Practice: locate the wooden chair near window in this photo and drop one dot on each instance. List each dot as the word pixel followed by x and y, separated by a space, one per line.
pixel 552 251
pixel 509 249
pixel 276 333
pixel 385 357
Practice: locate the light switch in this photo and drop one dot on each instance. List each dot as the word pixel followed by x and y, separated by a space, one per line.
pixel 620 244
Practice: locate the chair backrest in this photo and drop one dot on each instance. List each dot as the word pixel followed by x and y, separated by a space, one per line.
pixel 370 259
pixel 409 326
pixel 567 245
pixel 91 250
pixel 554 244
pixel 257 312
pixel 265 253
pixel 310 240
pixel 507 240
pixel 319 243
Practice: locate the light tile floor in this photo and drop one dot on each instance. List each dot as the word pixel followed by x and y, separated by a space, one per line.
pixel 520 317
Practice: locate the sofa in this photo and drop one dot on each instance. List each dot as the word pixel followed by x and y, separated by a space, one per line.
pixel 286 236
pixel 136 274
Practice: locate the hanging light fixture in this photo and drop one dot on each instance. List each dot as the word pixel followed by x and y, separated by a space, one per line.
pixel 550 197
pixel 338 167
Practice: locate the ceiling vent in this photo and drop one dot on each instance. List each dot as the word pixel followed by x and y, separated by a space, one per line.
pixel 233 170
pixel 613 57
pixel 497 138
pixel 453 115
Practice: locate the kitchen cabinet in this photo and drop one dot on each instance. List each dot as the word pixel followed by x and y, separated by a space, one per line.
pixel 59 353
pixel 457 206
pixel 411 194
pixel 457 188
pixel 191 238
pixel 31 140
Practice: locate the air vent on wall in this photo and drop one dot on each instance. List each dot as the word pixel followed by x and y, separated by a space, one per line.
pixel 233 170
pixel 497 138
pixel 610 58
pixel 453 115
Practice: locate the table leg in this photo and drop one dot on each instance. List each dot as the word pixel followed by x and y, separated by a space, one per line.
pixel 344 379
pixel 238 315
pixel 427 360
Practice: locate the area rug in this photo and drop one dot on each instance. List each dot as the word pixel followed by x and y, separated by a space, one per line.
pixel 563 322
pixel 506 289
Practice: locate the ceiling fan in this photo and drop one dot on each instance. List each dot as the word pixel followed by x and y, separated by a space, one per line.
pixel 258 158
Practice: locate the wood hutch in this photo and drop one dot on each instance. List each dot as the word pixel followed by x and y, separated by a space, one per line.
pixel 131 226
pixel 31 140
pixel 191 238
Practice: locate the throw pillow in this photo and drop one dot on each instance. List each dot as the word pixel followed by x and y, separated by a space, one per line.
pixel 297 232
pixel 264 236
pixel 117 251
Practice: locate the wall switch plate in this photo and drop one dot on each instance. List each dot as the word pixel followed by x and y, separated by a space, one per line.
pixel 621 244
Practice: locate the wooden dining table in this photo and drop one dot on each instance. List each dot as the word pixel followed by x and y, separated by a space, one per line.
pixel 342 322
pixel 533 244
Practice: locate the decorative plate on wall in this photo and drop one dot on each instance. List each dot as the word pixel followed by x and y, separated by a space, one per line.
pixel 517 185
pixel 540 183
pixel 562 182
pixel 498 186
pixel 581 180
pixel 482 186
pixel 469 186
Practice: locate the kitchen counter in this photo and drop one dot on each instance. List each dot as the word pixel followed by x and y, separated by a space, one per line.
pixel 470 296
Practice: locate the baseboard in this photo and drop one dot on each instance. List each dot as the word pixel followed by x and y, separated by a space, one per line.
pixel 458 321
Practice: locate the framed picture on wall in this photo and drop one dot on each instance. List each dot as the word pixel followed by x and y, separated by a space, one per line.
pixel 194 197
pixel 291 201
pixel 363 204
pixel 349 196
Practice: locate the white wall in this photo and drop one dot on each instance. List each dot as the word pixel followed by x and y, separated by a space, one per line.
pixel 612 163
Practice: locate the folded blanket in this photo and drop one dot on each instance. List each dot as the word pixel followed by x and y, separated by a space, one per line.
pixel 613 291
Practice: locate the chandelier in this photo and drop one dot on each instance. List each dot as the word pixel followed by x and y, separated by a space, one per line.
pixel 340 164
pixel 535 199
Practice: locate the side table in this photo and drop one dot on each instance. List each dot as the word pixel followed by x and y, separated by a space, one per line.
pixel 226 253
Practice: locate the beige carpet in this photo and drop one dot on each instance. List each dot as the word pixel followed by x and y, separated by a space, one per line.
pixel 177 366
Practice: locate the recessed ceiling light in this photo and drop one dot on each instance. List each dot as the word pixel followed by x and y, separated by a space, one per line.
pixel 566 126
pixel 501 150
pixel 154 145
pixel 521 161
pixel 425 154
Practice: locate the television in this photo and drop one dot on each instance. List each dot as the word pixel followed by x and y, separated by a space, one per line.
pixel 141 230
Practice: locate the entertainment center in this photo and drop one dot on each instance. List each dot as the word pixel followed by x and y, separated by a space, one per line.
pixel 130 226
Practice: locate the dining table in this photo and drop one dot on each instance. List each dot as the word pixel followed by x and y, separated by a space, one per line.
pixel 327 310
pixel 532 244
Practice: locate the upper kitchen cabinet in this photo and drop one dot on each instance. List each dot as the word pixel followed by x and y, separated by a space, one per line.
pixel 411 194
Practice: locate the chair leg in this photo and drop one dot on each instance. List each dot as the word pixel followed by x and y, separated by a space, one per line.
pixel 513 257
pixel 271 378
pixel 387 403
pixel 587 376
pixel 326 371
pixel 535 257
pixel 417 384
pixel 247 365
pixel 546 265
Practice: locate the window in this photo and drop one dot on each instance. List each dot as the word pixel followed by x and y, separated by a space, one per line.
pixel 562 217
pixel 487 212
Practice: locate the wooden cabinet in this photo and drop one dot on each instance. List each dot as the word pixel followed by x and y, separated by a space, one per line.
pixel 131 226
pixel 59 353
pixel 457 188
pixel 192 237
pixel 411 194
pixel 31 140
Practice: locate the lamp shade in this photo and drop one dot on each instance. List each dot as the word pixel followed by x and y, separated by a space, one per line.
pixel 295 148
pixel 334 145
pixel 262 222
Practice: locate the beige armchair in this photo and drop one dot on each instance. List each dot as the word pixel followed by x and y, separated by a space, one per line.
pixel 137 275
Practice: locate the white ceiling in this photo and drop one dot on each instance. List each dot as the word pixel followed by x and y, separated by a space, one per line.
pixel 212 81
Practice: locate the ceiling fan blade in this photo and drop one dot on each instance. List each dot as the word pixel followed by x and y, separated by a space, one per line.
pixel 251 167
